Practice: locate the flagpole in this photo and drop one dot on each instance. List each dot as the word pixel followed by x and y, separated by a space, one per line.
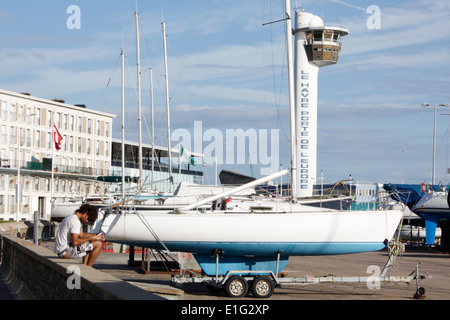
pixel 52 141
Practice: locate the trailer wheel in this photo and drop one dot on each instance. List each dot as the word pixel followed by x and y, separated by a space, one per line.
pixel 263 287
pixel 236 287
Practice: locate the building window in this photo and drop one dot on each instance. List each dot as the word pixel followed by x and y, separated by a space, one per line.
pixel 4 135
pixel 80 124
pixel 38 139
pixel 318 35
pixel 12 113
pixel 38 116
pixel 36 184
pixel 4 110
pixel 106 149
pixel 28 137
pixel 72 123
pixel 12 135
pixel 21 137
pixel 71 144
pixel 58 120
pixel 11 182
pixel 89 126
pixel 98 127
pixel 28 117
pixel 49 140
pixel 49 118
pixel 21 115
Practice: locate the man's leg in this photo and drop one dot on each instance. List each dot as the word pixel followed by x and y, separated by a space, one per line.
pixel 90 258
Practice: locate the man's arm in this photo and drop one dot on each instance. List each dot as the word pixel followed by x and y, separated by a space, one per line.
pixel 78 239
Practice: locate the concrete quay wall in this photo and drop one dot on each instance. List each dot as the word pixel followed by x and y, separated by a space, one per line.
pixel 36 273
pixel 25 229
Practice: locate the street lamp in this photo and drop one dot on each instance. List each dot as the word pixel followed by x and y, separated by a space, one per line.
pixel 434 137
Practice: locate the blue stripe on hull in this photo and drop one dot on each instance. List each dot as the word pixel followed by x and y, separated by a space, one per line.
pixel 264 248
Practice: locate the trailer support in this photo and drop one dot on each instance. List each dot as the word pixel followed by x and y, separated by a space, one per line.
pixel 246 279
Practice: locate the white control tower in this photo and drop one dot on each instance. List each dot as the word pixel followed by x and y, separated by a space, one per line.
pixel 316 45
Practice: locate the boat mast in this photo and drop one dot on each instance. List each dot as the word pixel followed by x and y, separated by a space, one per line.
pixel 293 133
pixel 138 53
pixel 123 125
pixel 153 125
pixel 167 105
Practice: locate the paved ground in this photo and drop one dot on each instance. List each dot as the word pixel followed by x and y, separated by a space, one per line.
pixel 437 288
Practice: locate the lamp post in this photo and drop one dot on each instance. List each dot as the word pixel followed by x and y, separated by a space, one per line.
pixel 434 138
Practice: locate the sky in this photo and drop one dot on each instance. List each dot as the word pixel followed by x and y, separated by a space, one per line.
pixel 228 72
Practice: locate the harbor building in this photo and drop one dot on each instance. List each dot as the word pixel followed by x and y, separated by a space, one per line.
pixel 156 173
pixel 53 150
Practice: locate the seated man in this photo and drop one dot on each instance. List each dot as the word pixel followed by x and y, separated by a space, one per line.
pixel 72 242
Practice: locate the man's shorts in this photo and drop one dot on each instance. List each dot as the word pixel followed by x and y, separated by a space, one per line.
pixel 78 251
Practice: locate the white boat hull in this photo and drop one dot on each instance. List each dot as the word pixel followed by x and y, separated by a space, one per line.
pixel 432 203
pixel 62 210
pixel 255 234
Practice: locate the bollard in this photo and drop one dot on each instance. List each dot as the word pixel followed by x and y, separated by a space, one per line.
pixel 36 227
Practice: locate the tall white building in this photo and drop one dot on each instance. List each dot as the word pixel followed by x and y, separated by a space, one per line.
pixel 33 172
pixel 29 161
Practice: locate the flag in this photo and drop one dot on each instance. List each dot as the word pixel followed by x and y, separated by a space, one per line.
pixel 57 137
pixel 185 156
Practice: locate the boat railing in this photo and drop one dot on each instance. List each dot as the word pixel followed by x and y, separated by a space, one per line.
pixel 382 200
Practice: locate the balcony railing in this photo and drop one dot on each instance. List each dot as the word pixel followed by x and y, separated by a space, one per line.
pixel 46 165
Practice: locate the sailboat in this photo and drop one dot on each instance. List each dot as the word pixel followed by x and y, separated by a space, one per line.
pixel 434 208
pixel 247 233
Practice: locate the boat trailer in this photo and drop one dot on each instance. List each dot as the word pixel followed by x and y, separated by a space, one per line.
pixel 262 284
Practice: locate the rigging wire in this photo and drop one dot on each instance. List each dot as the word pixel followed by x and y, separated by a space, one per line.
pixel 277 92
pixel 157 238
